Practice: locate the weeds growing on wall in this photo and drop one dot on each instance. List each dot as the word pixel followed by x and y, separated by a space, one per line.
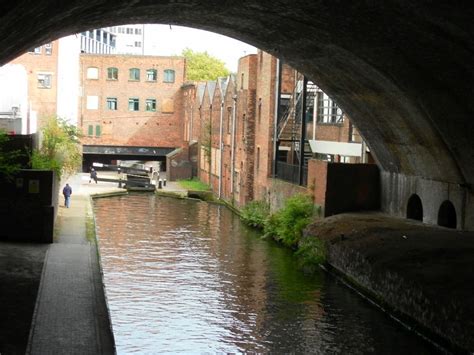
pixel 286 226
pixel 255 214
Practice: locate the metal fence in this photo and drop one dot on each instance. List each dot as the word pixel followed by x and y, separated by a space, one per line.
pixel 290 173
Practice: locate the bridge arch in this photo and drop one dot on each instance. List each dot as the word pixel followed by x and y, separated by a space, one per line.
pixel 402 70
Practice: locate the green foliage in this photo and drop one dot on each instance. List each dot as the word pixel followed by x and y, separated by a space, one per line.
pixel 311 252
pixel 60 150
pixel 255 214
pixel 286 225
pixel 9 165
pixel 202 66
pixel 194 184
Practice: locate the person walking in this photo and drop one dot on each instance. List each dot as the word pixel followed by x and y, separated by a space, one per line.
pixel 93 176
pixel 67 192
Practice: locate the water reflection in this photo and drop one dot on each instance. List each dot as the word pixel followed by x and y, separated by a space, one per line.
pixel 187 277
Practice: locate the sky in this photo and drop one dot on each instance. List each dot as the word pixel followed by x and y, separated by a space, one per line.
pixel 163 40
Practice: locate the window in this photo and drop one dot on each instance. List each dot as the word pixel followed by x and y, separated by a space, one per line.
pixel 97 131
pixel 151 75
pixel 44 81
pixel 244 126
pixel 48 48
pixel 168 76
pixel 92 102
pixel 97 35
pixel 129 31
pixel 138 44
pixel 259 110
pixel 150 105
pixel 133 104
pixel 92 73
pixel 138 31
pixel 134 74
pixel 112 74
pixel 242 81
pixel 112 103
pixel 328 111
pixel 90 130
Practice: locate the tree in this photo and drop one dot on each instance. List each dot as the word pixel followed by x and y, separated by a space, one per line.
pixel 60 150
pixel 203 66
pixel 9 164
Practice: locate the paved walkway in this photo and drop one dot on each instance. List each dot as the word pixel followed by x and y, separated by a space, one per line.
pixel 71 315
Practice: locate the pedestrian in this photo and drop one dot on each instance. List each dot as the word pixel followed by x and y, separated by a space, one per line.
pixel 67 192
pixel 93 176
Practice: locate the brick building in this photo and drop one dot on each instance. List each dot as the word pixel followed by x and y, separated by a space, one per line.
pixel 234 121
pixel 41 66
pixel 131 105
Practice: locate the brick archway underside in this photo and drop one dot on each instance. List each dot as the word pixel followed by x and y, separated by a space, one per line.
pixel 403 70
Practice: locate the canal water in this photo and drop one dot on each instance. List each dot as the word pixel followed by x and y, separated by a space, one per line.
pixel 183 276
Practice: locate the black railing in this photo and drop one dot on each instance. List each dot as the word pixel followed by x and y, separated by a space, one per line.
pixel 290 173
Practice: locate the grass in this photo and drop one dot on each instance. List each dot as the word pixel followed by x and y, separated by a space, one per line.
pixel 194 184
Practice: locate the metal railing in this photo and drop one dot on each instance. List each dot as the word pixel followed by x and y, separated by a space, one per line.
pixel 291 173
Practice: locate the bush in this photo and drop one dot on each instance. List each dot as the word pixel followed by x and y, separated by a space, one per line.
pixel 9 164
pixel 311 252
pixel 256 213
pixel 60 150
pixel 286 226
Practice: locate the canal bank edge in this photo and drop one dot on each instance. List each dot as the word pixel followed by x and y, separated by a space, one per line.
pixel 399 266
pixel 98 274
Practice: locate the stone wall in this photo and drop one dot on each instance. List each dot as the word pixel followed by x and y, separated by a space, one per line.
pixel 397 189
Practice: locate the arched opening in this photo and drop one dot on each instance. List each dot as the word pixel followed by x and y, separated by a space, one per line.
pixel 378 82
pixel 447 215
pixel 415 208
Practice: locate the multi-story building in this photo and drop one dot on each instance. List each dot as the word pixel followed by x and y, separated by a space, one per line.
pixel 130 106
pixel 130 39
pixel 44 82
pixel 252 125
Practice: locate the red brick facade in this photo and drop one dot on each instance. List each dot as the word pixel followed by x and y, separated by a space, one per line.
pixel 235 118
pixel 41 65
pixel 120 109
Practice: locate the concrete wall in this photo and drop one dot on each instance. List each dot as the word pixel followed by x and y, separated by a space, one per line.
pixel 279 191
pixel 397 189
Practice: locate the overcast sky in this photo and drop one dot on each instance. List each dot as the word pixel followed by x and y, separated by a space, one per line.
pixel 161 40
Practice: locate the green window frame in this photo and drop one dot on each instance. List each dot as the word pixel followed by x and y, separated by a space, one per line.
pixel 151 75
pixel 90 130
pixel 168 76
pixel 98 130
pixel 150 105
pixel 133 104
pixel 112 73
pixel 112 103
pixel 134 74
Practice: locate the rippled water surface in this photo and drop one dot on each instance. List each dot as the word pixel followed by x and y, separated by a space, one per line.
pixel 187 277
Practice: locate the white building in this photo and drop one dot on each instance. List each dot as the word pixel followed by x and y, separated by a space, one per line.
pixel 130 39
pixel 15 116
